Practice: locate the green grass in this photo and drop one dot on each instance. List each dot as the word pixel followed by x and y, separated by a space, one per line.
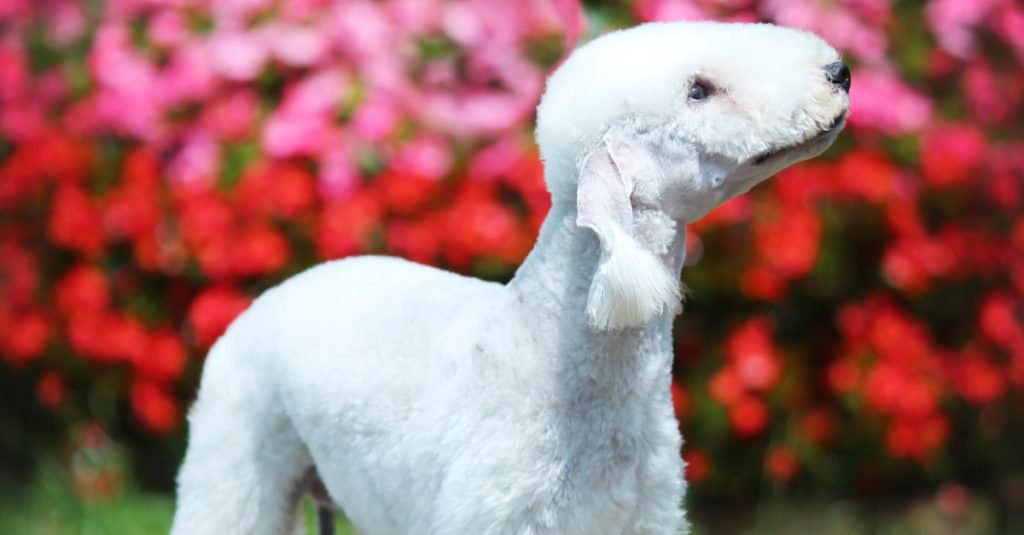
pixel 49 507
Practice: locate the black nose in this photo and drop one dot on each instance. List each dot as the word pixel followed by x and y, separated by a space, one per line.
pixel 839 74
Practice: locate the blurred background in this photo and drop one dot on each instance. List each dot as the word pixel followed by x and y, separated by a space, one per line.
pixel 851 357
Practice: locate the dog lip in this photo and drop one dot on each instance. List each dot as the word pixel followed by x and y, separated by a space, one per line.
pixel 836 124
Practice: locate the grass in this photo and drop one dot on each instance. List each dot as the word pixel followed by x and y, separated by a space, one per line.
pixel 49 507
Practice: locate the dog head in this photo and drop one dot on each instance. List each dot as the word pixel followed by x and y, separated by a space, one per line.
pixel 661 123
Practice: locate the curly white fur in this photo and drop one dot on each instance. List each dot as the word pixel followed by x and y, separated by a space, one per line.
pixel 429 402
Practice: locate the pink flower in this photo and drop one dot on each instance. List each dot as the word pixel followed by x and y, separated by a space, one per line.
pixel 339 177
pixel 375 119
pixel 657 10
pixel 882 101
pixel 168 28
pixel 237 55
pixel 293 44
pixel 425 156
pixel 288 133
pixel 232 117
pixel 198 161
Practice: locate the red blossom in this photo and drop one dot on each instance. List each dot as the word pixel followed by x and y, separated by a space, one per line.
pixel 748 416
pixel 978 379
pixel 781 464
pixel 698 465
pixel 258 250
pixel 51 390
pixel 345 225
pixel 949 155
pixel 164 359
pixel 751 352
pixel 75 221
pixel 680 400
pixel 917 438
pixel 867 175
pixel 25 336
pixel 155 408
pixel 789 243
pixel 212 311
pixel 83 289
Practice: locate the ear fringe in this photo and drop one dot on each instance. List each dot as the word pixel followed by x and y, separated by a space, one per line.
pixel 631 285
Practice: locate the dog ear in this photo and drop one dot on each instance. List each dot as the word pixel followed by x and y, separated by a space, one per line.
pixel 631 284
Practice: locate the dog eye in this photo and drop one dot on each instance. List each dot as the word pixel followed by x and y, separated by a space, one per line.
pixel 700 90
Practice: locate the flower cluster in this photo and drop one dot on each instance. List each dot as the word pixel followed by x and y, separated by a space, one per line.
pixel 162 162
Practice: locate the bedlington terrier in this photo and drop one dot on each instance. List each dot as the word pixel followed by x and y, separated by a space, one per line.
pixel 429 402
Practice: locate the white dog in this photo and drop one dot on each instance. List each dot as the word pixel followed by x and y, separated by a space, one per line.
pixel 428 402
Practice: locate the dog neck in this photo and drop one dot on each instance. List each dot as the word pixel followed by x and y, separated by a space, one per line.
pixel 553 284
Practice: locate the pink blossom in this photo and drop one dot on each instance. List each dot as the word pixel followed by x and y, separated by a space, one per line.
pixel 294 45
pixel 22 122
pixel 189 75
pixel 361 28
pixel 669 10
pixel 167 28
pixel 496 159
pixel 954 21
pixel 321 92
pixel 375 119
pixel 884 102
pixel 197 163
pixel 14 74
pixel 67 21
pixel 986 100
pixel 287 133
pixel 237 55
pixel 339 177
pixel 232 117
pixel 843 23
pixel 416 16
pixel 427 156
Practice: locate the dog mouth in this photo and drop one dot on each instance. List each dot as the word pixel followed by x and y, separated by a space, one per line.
pixel 837 124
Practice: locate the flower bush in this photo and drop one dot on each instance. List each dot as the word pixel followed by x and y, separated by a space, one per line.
pixel 855 324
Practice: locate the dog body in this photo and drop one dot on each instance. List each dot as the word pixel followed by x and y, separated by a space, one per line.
pixel 429 402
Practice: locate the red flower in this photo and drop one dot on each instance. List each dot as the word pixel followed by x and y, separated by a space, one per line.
pixel 748 416
pixel 761 282
pixel 790 242
pixel 698 465
pixel 212 311
pixel 260 250
pixel 999 321
pixel 406 193
pixel 132 210
pixel 916 438
pixel 164 359
pixel 276 189
pixel 51 390
pixel 949 155
pixel 781 464
pixel 818 425
pixel 154 408
pixel 680 401
pixel 82 289
pixel 419 241
pixel 977 379
pixel 867 175
pixel 725 387
pixel 26 336
pixel 75 221
pixel 345 226
pixel 751 352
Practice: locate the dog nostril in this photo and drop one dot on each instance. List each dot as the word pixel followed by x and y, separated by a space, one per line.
pixel 839 74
